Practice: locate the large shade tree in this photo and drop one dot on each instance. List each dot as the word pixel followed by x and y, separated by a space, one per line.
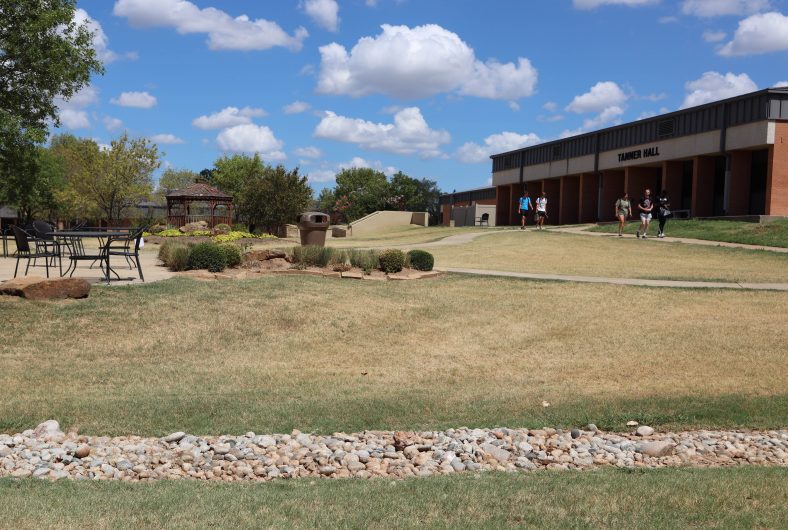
pixel 112 180
pixel 275 198
pixel 44 55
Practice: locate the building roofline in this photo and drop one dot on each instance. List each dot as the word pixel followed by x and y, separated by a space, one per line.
pixel 780 90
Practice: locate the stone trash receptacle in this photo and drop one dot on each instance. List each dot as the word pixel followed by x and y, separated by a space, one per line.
pixel 312 226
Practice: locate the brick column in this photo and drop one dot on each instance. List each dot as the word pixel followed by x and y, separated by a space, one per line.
pixel 570 200
pixel 589 197
pixel 612 190
pixel 703 186
pixel 777 173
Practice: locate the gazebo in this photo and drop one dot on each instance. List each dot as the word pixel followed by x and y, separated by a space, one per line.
pixel 199 202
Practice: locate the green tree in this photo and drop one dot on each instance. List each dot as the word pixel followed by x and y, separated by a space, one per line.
pixel 112 180
pixel 326 201
pixel 274 198
pixel 232 173
pixel 82 159
pixel 44 55
pixel 361 191
pixel 36 194
pixel 174 179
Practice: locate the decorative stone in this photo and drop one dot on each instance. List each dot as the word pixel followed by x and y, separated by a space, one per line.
pixel 46 428
pixel 576 433
pixel 655 449
pixel 644 430
pixel 82 451
pixel 37 288
pixel 174 437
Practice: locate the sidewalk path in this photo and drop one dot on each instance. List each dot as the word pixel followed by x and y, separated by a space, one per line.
pixel 582 230
pixel 620 281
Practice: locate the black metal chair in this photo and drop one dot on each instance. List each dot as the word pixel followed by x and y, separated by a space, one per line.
pixel 128 246
pixel 24 250
pixel 44 239
pixel 483 220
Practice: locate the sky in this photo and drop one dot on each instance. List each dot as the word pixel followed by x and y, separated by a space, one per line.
pixel 431 88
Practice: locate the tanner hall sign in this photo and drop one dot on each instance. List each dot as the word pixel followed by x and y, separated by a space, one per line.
pixel 640 153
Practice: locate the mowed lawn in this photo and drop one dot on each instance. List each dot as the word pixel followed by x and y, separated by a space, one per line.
pixel 324 355
pixel 551 252
pixel 402 235
pixel 745 497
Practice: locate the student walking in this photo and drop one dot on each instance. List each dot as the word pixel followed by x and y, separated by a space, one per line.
pixel 663 211
pixel 525 208
pixel 541 209
pixel 645 206
pixel 623 212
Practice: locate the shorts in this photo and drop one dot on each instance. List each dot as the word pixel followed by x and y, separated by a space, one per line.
pixel 645 217
pixel 622 213
pixel 524 213
pixel 541 214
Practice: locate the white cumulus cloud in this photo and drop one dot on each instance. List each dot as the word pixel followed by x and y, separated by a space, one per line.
pixel 601 96
pixel 228 117
pixel 325 13
pixel 472 153
pixel 100 40
pixel 417 62
pixel 781 84
pixel 408 135
pixel 251 138
pixel 74 119
pixel 139 100
pixel 764 33
pixel 72 112
pixel 715 8
pixel 308 152
pixel 296 107
pixel 112 124
pixel 224 31
pixel 713 86
pixel 593 4
pixel 168 139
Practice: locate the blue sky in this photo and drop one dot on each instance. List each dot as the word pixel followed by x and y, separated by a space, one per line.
pixel 428 87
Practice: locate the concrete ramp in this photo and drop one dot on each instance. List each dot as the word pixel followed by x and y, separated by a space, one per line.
pixel 382 220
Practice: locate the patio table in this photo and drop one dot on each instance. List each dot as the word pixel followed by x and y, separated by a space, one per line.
pixel 72 240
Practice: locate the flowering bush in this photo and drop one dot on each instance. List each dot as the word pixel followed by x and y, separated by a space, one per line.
pixel 235 235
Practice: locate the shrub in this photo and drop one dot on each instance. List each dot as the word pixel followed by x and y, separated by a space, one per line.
pixel 314 256
pixel 232 254
pixel 175 255
pixel 207 256
pixel 391 260
pixel 179 258
pixel 235 235
pixel 367 260
pixel 421 260
pixel 239 227
pixel 222 229
pixel 170 232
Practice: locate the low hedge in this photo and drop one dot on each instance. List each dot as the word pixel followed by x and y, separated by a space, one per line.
pixel 207 256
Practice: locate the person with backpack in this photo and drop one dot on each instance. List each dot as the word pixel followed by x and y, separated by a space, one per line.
pixel 623 212
pixel 645 206
pixel 525 208
pixel 663 212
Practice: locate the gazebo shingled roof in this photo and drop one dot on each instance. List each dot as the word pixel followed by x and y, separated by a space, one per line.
pixel 199 192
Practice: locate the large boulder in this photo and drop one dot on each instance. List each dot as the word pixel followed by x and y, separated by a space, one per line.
pixel 37 288
pixel 193 227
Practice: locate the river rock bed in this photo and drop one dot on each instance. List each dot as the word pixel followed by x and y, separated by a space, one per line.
pixel 48 453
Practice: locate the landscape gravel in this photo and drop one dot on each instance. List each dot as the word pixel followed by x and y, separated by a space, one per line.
pixel 47 453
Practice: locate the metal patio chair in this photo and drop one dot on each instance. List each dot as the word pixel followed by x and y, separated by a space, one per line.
pixel 24 250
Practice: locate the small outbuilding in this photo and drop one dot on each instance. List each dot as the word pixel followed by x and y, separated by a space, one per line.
pixel 199 202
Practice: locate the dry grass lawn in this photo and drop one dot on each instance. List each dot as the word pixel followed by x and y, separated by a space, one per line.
pixel 317 354
pixel 401 235
pixel 560 253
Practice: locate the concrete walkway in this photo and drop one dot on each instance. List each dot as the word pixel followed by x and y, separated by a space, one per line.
pixel 151 269
pixel 620 281
pixel 582 230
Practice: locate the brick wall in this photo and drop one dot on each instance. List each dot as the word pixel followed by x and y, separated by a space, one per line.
pixel 777 176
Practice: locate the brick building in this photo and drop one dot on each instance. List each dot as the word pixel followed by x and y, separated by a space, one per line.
pixel 727 158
